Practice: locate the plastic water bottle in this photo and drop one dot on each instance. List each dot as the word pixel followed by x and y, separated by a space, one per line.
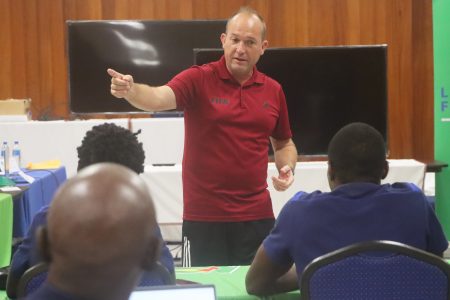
pixel 16 155
pixel 5 158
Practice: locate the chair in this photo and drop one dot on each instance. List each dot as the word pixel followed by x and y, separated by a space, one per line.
pixel 376 270
pixel 32 279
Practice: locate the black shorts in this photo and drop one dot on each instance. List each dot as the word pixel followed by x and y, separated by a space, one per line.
pixel 223 243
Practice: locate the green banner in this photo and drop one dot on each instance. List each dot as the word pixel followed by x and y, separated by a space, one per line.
pixel 441 44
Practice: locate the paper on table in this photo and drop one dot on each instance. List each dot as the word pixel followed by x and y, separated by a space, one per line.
pixel 9 189
pixel 28 178
pixel 49 164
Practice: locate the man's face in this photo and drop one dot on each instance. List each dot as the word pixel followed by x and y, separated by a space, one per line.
pixel 243 45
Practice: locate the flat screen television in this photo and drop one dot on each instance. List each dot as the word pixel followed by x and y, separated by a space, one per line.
pixel 326 88
pixel 152 51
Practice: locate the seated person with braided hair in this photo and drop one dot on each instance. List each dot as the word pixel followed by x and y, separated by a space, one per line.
pixel 103 143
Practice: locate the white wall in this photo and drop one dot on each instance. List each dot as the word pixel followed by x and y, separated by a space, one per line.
pixel 163 139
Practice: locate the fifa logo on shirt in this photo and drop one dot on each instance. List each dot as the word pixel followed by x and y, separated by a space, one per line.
pixel 219 101
pixel 266 105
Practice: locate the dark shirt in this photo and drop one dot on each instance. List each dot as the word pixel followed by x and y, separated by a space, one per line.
pixel 47 292
pixel 313 224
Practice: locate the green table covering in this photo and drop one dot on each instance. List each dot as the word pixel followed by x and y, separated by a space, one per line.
pixel 6 225
pixel 228 280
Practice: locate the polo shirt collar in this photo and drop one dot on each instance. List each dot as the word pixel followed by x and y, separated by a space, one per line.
pixel 356 189
pixel 224 74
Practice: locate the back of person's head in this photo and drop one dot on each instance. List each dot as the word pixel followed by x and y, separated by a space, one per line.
pixel 111 143
pixel 100 233
pixel 357 153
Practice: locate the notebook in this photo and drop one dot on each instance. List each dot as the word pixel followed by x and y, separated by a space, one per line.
pixel 185 292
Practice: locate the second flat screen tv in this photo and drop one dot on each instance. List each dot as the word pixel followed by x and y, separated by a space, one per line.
pixel 326 88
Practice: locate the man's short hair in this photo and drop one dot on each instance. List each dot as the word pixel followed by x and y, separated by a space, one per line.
pixel 357 153
pixel 111 143
pixel 250 11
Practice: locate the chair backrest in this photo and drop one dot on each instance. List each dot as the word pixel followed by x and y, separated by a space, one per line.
pixel 32 279
pixel 376 270
pixel 158 275
pixel 6 229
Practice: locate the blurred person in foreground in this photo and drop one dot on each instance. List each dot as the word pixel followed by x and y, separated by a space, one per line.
pixel 99 236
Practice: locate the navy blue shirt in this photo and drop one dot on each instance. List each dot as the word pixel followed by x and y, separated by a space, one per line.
pixel 47 292
pixel 313 224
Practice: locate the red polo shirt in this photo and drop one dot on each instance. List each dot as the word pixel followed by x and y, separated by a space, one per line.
pixel 227 129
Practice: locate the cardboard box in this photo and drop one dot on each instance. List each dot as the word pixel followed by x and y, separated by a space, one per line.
pixel 15 107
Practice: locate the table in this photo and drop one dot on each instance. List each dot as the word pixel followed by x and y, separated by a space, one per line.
pixel 6 222
pixel 165 185
pixel 28 202
pixel 228 280
pixel 38 194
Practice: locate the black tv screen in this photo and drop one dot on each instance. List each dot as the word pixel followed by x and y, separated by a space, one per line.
pixel 326 88
pixel 152 51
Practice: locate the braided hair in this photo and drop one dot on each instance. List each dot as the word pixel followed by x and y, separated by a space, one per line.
pixel 111 143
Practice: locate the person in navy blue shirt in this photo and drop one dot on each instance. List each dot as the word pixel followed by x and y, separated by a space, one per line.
pixel 358 208
pixel 103 143
pixel 99 235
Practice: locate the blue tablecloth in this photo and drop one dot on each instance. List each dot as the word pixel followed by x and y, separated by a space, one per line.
pixel 38 194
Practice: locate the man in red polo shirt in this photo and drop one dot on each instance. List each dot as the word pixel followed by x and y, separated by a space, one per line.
pixel 230 111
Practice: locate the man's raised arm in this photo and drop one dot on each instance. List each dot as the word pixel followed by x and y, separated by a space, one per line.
pixel 142 96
